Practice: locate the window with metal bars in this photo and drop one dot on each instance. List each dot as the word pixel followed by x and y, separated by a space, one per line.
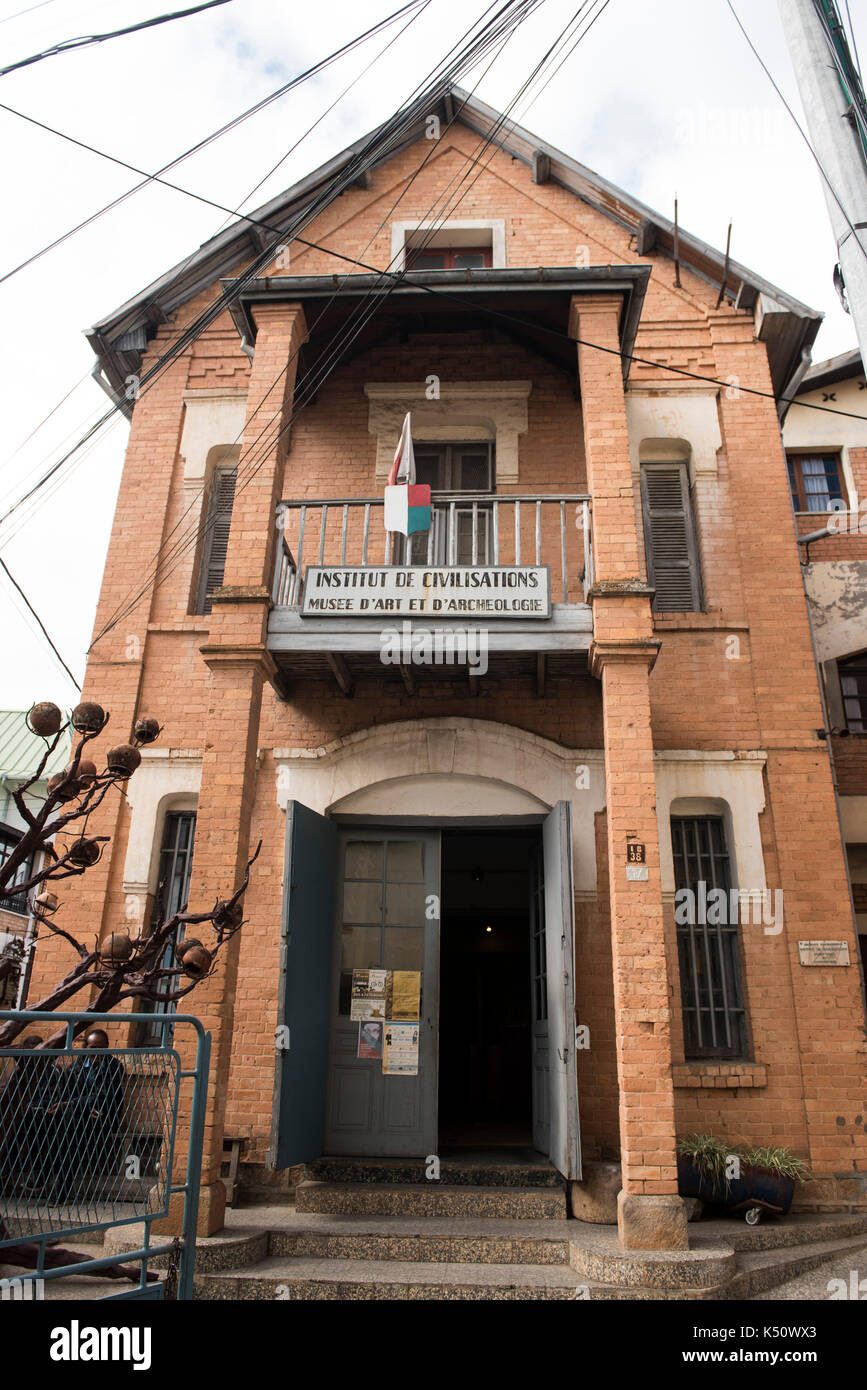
pixel 815 481
pixel 215 540
pixel 460 535
pixel 670 544
pixel 173 878
pixel 714 1017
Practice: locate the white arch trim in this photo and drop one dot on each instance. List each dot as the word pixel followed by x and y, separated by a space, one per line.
pixel 168 779
pixel 450 767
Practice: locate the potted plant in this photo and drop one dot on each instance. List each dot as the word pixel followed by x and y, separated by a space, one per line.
pixel 744 1179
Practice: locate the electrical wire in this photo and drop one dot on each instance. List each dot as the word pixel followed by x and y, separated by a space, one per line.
pixel 200 145
pixel 337 185
pixel 323 366
pixel 799 128
pixel 419 7
pixel 29 10
pixel 68 45
pixel 10 576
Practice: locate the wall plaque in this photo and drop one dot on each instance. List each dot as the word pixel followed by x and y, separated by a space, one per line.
pixel 824 952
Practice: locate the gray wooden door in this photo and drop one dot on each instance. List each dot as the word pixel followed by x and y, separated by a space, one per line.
pixel 539 1006
pixel 564 1148
pixel 552 984
pixel 386 917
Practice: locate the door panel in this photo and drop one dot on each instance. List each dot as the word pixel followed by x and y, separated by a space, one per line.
pixel 539 1007
pixel 384 881
pixel 310 867
pixel 564 1147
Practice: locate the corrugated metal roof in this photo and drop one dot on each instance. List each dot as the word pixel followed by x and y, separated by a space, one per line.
pixel 21 751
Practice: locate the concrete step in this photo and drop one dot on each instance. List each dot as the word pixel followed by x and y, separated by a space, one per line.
pixel 436 1240
pixel 760 1271
pixel 470 1172
pixel 440 1199
pixel 772 1233
pixel 596 1254
pixel 306 1279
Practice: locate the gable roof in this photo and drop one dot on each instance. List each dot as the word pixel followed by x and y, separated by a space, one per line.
pixel 787 326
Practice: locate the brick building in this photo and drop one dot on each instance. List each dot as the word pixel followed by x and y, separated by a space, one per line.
pixel 826 454
pixel 638 712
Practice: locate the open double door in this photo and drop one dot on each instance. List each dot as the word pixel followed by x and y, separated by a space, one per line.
pixel 370 897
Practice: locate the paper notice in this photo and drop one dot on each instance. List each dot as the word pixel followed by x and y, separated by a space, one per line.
pixel 370 1039
pixel 400 1049
pixel 406 994
pixel 368 994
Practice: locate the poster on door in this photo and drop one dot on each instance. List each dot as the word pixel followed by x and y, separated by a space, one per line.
pixel 400 1049
pixel 368 994
pixel 370 1039
pixel 405 995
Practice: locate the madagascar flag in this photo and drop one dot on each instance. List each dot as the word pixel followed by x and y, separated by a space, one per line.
pixel 407 508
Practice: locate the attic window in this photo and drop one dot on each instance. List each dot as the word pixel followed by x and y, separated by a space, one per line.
pixel 449 258
pixel 454 245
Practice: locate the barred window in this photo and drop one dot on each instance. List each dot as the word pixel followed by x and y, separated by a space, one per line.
pixel 714 1020
pixel 175 870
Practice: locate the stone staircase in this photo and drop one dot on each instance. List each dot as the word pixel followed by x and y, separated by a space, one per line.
pixel 488 1230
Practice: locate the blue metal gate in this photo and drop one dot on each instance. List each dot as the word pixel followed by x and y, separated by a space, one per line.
pixel 88 1139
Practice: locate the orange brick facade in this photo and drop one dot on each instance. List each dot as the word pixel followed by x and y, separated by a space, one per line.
pixel 655 685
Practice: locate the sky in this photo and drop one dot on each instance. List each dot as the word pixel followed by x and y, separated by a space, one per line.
pixel 662 97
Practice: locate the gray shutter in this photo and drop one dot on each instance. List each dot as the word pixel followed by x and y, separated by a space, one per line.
pixel 215 543
pixel 669 538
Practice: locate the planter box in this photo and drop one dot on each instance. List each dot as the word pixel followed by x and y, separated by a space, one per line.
pixel 756 1187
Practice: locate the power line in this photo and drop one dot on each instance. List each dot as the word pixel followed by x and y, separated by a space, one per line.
pixel 200 145
pixel 29 10
pixel 42 626
pixel 330 356
pixel 340 181
pixel 766 70
pixel 67 45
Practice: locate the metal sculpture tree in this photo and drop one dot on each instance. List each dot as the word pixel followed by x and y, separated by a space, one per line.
pixel 120 967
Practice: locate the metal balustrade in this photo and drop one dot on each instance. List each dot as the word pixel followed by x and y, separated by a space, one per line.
pixel 479 530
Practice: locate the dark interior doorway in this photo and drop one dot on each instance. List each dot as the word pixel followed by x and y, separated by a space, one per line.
pixel 484 1025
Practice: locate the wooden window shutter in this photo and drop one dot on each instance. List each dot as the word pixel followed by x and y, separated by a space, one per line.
pixel 669 538
pixel 215 542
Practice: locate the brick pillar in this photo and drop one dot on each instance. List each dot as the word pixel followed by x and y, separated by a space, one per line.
pixel 650 1214
pixel 237 656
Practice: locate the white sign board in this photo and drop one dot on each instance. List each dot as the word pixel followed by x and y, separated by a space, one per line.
pixel 449 592
pixel 824 952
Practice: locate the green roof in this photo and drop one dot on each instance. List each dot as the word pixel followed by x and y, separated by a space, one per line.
pixel 21 751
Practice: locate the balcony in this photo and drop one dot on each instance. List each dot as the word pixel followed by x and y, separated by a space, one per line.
pixel 504 574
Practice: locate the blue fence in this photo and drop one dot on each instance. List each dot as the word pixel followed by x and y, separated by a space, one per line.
pixel 88 1138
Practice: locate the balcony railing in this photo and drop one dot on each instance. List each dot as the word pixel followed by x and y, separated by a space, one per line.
pixel 478 530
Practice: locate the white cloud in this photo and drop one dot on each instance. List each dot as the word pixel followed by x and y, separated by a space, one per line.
pixel 660 98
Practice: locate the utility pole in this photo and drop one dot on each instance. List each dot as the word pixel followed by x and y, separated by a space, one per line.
pixel 830 98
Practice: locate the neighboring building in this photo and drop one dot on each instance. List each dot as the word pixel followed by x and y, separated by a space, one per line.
pixel 20 755
pixel 642 716
pixel 827 460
